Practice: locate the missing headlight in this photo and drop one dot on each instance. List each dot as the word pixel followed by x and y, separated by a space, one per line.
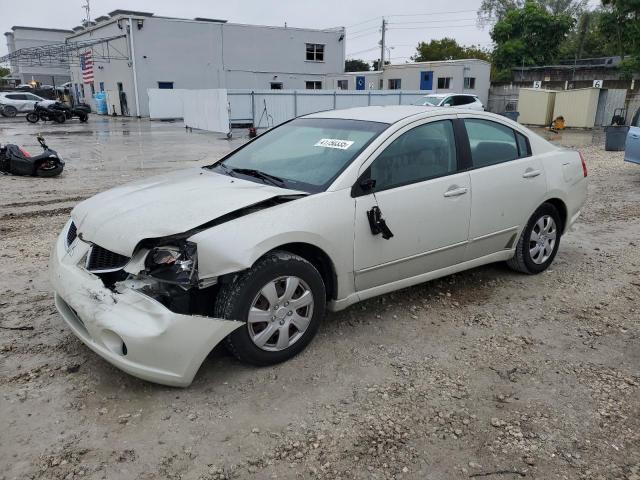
pixel 176 264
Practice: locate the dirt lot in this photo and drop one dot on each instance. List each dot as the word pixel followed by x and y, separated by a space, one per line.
pixel 485 374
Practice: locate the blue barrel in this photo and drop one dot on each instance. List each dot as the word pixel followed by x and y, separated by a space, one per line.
pixel 100 99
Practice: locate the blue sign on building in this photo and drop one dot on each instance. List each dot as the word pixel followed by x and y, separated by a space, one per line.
pixel 360 83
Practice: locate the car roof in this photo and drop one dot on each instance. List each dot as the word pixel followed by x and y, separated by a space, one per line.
pixel 382 113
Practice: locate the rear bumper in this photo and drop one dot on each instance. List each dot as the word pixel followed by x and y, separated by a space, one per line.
pixel 130 330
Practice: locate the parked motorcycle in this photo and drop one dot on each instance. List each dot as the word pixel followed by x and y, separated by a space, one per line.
pixel 45 114
pixel 17 161
pixel 81 111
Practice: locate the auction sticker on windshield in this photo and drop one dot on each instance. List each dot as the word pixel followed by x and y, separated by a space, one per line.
pixel 334 143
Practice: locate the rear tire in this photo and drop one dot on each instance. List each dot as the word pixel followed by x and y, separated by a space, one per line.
pixel 9 111
pixel 83 117
pixel 53 172
pixel 538 242
pixel 265 297
pixel 33 117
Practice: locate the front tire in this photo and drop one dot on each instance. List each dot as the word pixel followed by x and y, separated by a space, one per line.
pixel 33 117
pixel 282 300
pixel 9 111
pixel 539 241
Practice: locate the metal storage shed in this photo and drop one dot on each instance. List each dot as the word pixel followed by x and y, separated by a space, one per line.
pixel 536 106
pixel 578 107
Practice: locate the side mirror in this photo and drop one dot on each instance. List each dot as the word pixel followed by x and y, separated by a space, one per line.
pixel 364 186
pixel 367 184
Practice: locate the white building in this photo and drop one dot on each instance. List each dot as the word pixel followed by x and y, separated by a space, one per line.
pixel 167 52
pixel 28 37
pixel 456 76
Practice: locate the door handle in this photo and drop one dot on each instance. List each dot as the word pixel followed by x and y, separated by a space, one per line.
pixel 455 191
pixel 635 135
pixel 531 173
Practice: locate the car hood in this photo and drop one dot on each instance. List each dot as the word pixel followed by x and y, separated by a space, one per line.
pixel 120 218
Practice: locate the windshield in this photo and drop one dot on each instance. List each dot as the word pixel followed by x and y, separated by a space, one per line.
pixel 429 100
pixel 304 154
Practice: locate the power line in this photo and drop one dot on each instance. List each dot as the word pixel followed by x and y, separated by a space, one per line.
pixel 362 51
pixel 364 30
pixel 434 21
pixel 438 26
pixel 360 36
pixel 431 13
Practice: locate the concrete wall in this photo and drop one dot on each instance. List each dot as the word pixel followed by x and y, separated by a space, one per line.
pixel 27 37
pixel 409 75
pixel 111 72
pixel 200 55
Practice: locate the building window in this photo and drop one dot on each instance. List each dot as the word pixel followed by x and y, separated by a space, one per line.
pixel 395 84
pixel 315 52
pixel 165 85
pixel 343 84
pixel 93 89
pixel 469 83
pixel 380 84
pixel 313 85
pixel 102 86
pixel 276 85
pixel 444 82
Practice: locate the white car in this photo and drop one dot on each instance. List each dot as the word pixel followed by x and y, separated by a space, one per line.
pixel 319 213
pixel 459 100
pixel 19 102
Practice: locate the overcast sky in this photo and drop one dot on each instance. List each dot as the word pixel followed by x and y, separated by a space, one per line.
pixel 410 21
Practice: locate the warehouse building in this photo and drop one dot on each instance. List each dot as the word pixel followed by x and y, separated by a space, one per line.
pixel 143 51
pixel 455 76
pixel 28 37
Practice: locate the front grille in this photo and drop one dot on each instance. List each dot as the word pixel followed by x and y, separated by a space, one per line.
pixel 72 233
pixel 103 260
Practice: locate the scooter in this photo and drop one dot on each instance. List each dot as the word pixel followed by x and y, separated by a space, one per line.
pixel 45 114
pixel 15 160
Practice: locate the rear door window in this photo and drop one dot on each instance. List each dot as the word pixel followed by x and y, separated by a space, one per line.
pixel 490 142
pixel 463 100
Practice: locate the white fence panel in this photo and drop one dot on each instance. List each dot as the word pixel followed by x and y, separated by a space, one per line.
pixel 385 99
pixel 248 106
pixel 206 110
pixel 241 107
pixel 273 107
pixel 165 103
pixel 311 102
pixel 349 99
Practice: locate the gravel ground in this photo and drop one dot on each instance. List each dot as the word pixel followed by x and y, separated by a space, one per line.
pixel 483 374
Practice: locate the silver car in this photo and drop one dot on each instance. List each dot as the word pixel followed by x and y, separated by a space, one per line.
pixel 12 103
pixel 471 102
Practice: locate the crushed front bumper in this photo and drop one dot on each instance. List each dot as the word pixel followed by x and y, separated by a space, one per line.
pixel 132 331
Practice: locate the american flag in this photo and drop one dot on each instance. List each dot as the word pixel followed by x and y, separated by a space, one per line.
pixel 86 64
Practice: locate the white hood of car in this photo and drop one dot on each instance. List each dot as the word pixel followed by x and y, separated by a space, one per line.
pixel 164 205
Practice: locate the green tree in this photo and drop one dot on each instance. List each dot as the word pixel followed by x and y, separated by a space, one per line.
pixel 447 49
pixel 491 10
pixel 527 36
pixel 376 62
pixel 356 65
pixel 4 72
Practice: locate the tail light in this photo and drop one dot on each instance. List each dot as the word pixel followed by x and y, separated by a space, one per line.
pixel 584 165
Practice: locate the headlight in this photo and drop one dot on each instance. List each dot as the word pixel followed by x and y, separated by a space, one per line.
pixel 173 263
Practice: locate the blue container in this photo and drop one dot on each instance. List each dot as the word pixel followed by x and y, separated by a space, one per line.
pixel 100 99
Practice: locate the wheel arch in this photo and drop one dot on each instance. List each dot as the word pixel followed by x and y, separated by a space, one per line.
pixel 561 207
pixel 319 259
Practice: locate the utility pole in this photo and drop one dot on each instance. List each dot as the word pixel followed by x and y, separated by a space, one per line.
pixel 87 9
pixel 384 27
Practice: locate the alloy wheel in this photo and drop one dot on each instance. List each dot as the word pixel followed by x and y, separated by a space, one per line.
pixel 542 239
pixel 280 313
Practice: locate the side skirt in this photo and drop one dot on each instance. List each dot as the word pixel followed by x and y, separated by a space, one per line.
pixel 337 305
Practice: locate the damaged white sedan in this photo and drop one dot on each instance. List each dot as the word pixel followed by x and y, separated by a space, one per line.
pixel 321 212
